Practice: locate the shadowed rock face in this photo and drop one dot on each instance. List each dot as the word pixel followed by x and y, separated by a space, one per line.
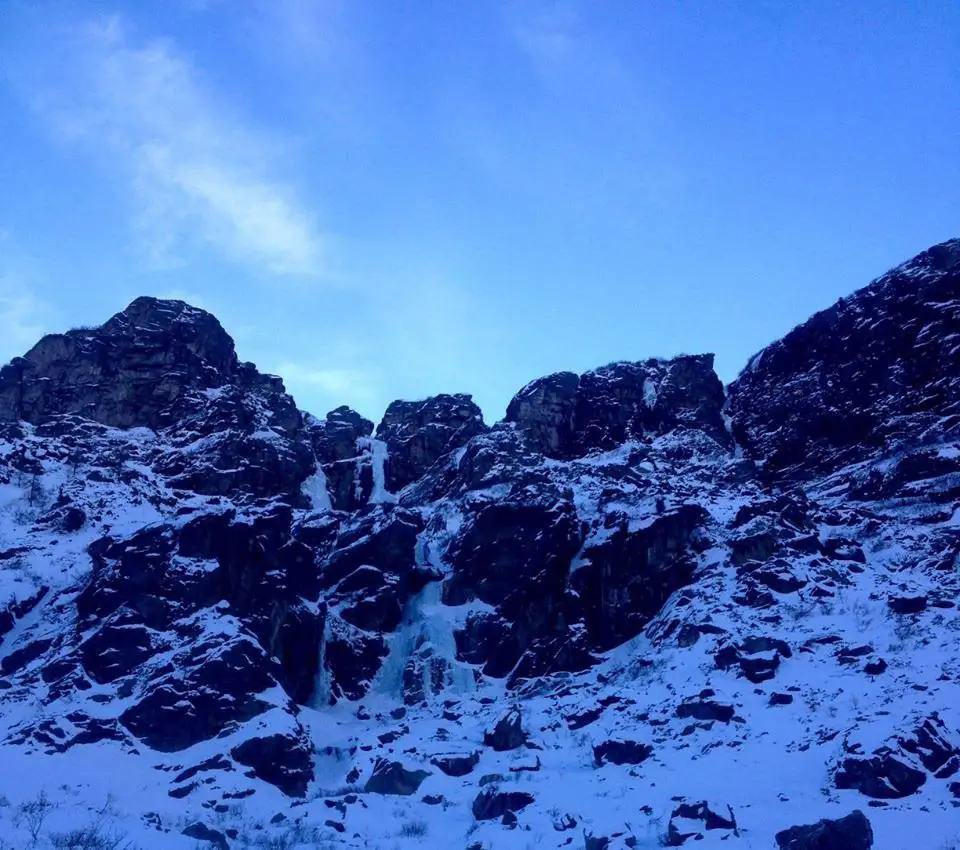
pixel 877 368
pixel 567 416
pixel 418 433
pixel 130 371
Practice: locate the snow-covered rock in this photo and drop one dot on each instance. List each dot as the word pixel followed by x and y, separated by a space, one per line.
pixel 602 622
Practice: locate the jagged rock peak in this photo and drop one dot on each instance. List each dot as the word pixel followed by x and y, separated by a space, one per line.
pixel 128 371
pixel 856 379
pixel 568 415
pixel 418 433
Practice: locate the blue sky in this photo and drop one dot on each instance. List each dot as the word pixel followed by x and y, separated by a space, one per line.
pixel 384 199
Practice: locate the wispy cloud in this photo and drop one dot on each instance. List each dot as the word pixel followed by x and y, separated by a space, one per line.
pixel 199 173
pixel 547 32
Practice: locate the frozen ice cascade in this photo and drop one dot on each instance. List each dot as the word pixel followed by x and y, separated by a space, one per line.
pixel 426 635
pixel 323 685
pixel 374 452
pixel 315 489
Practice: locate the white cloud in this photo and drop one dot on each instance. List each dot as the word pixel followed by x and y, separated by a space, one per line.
pixel 199 173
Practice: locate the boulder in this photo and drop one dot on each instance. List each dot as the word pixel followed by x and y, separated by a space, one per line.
pixel 507 734
pixel 493 803
pixel 852 832
pixel 453 765
pixel 883 776
pixel 690 820
pixel 706 710
pixel 283 760
pixel 202 832
pixel 621 752
pixel 392 778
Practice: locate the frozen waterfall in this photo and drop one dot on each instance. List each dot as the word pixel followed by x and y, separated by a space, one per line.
pixel 423 653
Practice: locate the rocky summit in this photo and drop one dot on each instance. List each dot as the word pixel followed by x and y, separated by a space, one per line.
pixel 642 610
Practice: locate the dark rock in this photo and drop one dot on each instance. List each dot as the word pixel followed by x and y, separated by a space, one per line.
pixel 583 718
pixel 202 832
pixel 622 583
pixel 689 820
pixel 907 604
pixel 125 373
pixel 688 635
pixel 852 832
pixel 779 580
pixel 883 776
pixel 825 396
pixel 391 777
pixel 564 415
pixel 933 743
pixel 875 668
pixel 507 734
pixel 456 765
pixel 419 433
pixel 705 710
pixel 753 644
pixel 753 547
pixel 621 752
pixel 492 804
pixel 781 699
pixel 759 669
pixel 282 760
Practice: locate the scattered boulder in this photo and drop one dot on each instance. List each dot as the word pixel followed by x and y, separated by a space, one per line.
pixel 907 604
pixel 882 777
pixel 705 710
pixel 493 803
pixel 283 760
pixel 507 734
pixel 456 765
pixel 690 820
pixel 852 832
pixel 621 752
pixel 202 832
pixel 392 778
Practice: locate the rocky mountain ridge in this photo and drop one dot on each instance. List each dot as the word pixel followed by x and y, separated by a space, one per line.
pixel 564 629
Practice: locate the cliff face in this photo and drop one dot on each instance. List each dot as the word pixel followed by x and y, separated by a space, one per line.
pixel 635 581
pixel 878 370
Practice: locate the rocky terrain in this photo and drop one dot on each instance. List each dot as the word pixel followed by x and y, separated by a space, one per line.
pixel 641 610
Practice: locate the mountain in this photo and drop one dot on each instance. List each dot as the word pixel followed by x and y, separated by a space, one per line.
pixel 643 609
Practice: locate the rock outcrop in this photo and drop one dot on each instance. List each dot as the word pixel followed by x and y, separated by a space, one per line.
pixel 875 371
pixel 565 415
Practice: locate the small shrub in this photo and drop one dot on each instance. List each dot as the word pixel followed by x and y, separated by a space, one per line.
pixel 414 829
pixel 92 837
pixel 32 814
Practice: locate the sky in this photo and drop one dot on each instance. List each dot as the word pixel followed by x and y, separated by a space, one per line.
pixel 386 200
